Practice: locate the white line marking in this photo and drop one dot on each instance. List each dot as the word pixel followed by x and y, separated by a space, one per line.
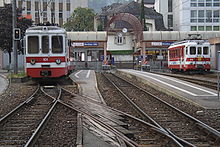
pixel 193 94
pixel 76 75
pixel 87 76
pixel 181 82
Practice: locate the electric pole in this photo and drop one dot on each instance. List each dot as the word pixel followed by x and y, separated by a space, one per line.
pixel 143 20
pixel 14 43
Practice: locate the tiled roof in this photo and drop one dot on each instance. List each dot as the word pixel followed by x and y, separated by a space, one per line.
pixel 135 9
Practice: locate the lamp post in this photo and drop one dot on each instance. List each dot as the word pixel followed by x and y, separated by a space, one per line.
pixel 14 43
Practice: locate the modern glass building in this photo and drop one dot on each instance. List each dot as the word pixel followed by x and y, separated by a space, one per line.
pixel 190 15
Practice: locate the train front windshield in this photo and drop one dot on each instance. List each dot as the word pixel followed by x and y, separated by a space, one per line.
pixel 198 50
pixel 57 44
pixel 45 44
pixel 33 45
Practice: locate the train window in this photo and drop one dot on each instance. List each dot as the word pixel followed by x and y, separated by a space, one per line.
pixel 57 44
pixel 33 44
pixel 205 50
pixel 192 50
pixel 199 51
pixel 45 44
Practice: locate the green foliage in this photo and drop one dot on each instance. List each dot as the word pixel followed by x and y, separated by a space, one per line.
pixel 6 32
pixel 82 19
pixel 122 52
pixel 100 27
pixel 19 75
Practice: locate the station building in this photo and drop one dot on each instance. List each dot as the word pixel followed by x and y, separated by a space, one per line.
pixel 87 48
pixel 122 49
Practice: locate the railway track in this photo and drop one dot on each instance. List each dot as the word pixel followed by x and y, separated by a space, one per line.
pixel 30 120
pixel 186 129
pixel 212 84
pixel 146 132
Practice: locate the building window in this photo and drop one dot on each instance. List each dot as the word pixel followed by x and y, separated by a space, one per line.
pixel 67 6
pixel 20 4
pixel 216 3
pixel 44 6
pixel 201 20
pixel 216 13
pixel 61 15
pixel 208 4
pixel 170 5
pixel 37 20
pixel 193 4
pixel 216 28
pixel 193 28
pixel 208 15
pixel 170 20
pixel 36 14
pixel 201 13
pixel 201 28
pixel 193 20
pixel 120 39
pixel 28 5
pixel 60 7
pixel 208 28
pixel 52 17
pixel 36 6
pixel 201 4
pixel 45 14
pixel 193 13
pixel 52 8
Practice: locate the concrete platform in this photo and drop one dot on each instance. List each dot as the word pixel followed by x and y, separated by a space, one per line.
pixel 3 82
pixel 86 80
pixel 199 95
pixel 93 134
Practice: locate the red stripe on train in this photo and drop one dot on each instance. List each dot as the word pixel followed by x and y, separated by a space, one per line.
pixel 197 59
pixel 44 59
pixel 190 59
pixel 55 72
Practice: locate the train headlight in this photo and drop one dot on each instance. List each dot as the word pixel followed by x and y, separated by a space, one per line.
pixel 33 61
pixel 58 61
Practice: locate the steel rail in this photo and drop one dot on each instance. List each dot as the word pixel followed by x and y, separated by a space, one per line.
pixel 44 122
pixel 30 98
pixel 128 141
pixel 214 132
pixel 150 126
pixel 144 114
pixel 208 84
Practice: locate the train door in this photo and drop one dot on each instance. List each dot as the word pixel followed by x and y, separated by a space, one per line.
pixel 185 55
pixel 181 58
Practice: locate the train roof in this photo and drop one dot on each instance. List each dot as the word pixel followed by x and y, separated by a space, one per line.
pixel 187 42
pixel 45 29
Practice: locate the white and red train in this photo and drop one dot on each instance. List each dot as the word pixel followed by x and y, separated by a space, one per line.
pixel 47 52
pixel 189 56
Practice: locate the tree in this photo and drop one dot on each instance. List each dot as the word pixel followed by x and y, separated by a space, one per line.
pixel 6 32
pixel 82 19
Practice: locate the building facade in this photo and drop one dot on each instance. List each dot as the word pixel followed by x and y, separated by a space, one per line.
pixel 147 3
pixel 190 15
pixel 53 11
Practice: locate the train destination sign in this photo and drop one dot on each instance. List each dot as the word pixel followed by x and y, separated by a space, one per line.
pixel 74 44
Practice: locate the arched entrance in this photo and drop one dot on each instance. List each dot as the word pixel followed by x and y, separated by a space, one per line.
pixel 137 29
